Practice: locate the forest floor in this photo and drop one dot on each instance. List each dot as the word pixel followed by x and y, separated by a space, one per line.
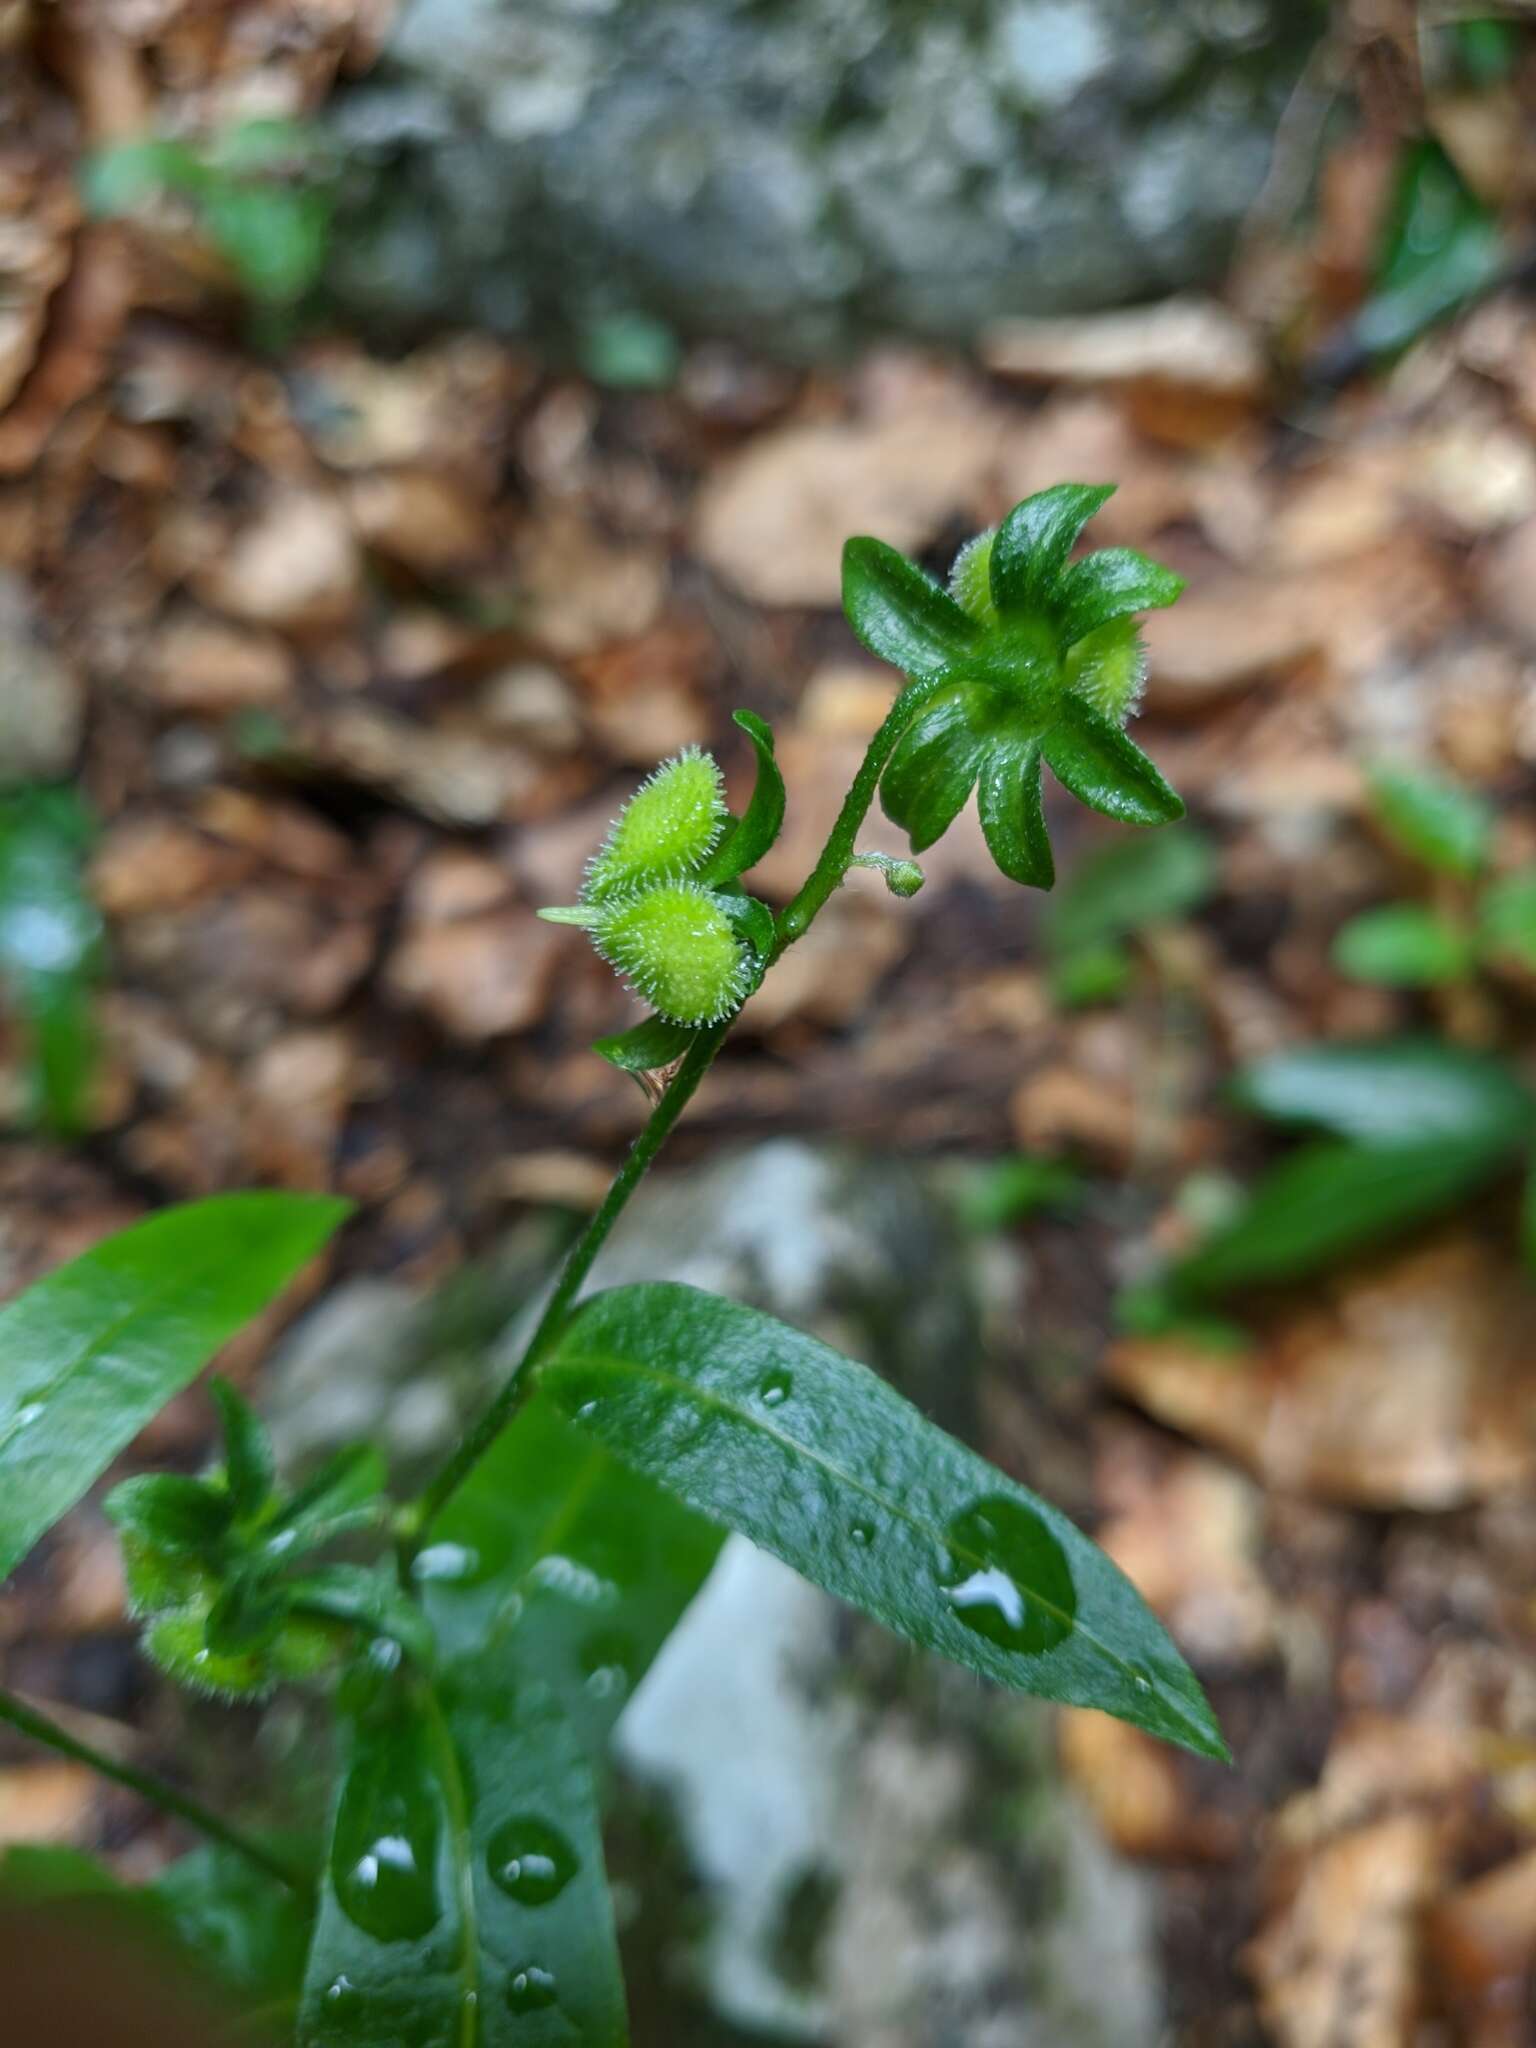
pixel 356 652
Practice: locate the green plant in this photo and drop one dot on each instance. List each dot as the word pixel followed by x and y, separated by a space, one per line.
pixel 481 1636
pixel 1474 919
pixel 1114 905
pixel 261 191
pixel 50 947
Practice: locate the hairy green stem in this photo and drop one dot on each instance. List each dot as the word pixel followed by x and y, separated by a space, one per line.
pixel 416 1519
pixel 28 1721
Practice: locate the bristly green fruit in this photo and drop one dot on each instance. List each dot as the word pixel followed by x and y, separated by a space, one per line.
pixel 678 949
pixel 667 830
pixel 1029 658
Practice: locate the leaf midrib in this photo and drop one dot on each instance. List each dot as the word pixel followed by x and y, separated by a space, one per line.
pixel 707 1398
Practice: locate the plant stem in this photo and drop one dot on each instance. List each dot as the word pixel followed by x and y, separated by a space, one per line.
pixel 30 1722
pixel 416 1519
pixel 481 1435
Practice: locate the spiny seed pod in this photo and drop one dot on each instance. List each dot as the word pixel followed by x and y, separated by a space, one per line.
pixel 970 578
pixel 668 829
pixel 677 948
pixel 1107 669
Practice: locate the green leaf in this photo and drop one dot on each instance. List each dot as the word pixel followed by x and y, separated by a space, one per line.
pixel 249 1469
pixel 1106 770
pixel 1438 822
pixel 1441 245
pixel 342 1494
pixel 1332 1198
pixel 1403 945
pixel 122 177
pixel 250 1931
pixel 900 613
pixel 817 1460
pixel 50 944
pixel 1528 1218
pixel 1125 888
pixel 273 236
pixel 1034 541
pixel 932 772
pixel 182 1517
pixel 366 1597
pixel 90 1353
pixel 754 832
pixel 644 1047
pixel 1508 919
pixel 1008 1190
pixel 1012 820
pixel 1096 974
pixel 464 1899
pixel 32 1873
pixel 558 1559
pixel 1404 1091
pixel 1111 585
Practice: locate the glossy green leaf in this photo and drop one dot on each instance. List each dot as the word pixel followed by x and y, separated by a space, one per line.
pixel 50 945
pixel 1508 915
pixel 558 1559
pixel 1403 945
pixel 1124 888
pixel 90 1353
pixel 932 772
pixel 1112 584
pixel 249 1469
pixel 1105 769
pixel 658 1042
pixel 900 613
pixel 464 1903
pixel 759 826
pixel 816 1459
pixel 1012 820
pixel 1433 819
pixel 1332 1198
pixel 1441 245
pixel 1034 541
pixel 1402 1091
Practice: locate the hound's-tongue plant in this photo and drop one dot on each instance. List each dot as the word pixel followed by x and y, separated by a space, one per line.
pixel 460 1896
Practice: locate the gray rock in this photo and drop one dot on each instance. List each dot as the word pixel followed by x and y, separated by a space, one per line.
pixel 796 172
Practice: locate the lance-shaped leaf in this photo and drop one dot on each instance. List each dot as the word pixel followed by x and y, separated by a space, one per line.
pixel 554 1557
pixel 1105 769
pixel 816 1459
pixel 900 613
pixel 656 1042
pixel 464 1900
pixel 749 838
pixel 1403 945
pixel 1404 1091
pixel 1112 584
pixel 1012 820
pixel 1034 541
pixel 92 1351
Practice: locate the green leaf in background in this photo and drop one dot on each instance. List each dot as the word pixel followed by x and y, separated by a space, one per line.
pixel 1403 945
pixel 1007 1190
pixel 1332 1198
pixel 1487 50
pixel 91 1352
pixel 250 1931
pixel 558 1559
pixel 816 1459
pixel 631 352
pixel 1431 818
pixel 125 175
pixel 272 236
pixel 1508 919
pixel 1122 888
pixel 1528 1218
pixel 1402 1091
pixel 901 615
pixel 51 944
pixel 1104 768
pixel 1441 246
pixel 749 838
pixel 1098 974
pixel 464 1903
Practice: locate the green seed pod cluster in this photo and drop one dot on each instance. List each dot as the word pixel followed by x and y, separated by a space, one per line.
pixel 648 903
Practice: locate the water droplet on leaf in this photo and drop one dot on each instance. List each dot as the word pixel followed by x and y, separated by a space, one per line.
pixel 531 1989
pixel 445 1563
pixel 384 1848
pixel 531 1861
pixel 1007 1576
pixel 862 1534
pixel 775 1390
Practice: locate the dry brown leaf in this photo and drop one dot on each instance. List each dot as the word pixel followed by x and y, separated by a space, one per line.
pixel 578 591
pixel 421 517
pixel 293 564
pixel 1185 342
pixel 1483 1941
pixel 1135 1789
pixel 773 520
pixel 1407 1387
pixel 478 977
pixel 196 663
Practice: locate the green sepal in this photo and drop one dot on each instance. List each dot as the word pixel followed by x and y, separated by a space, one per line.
pixel 249 1467
pixel 1111 585
pixel 932 772
pixel 1106 770
pixel 369 1598
pixel 657 1042
pixel 900 614
pixel 750 836
pixel 342 1495
pixel 247 1614
pixel 1034 541
pixel 1012 818
pixel 177 1516
pixel 754 920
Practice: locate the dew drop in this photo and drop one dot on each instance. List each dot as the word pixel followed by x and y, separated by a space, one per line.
pixel 531 1861
pixel 384 1847
pixel 775 1390
pixel 445 1563
pixel 862 1534
pixel 340 1991
pixel 531 1989
pixel 1007 1577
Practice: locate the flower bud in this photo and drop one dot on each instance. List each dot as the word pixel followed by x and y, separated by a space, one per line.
pixel 677 948
pixel 667 830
